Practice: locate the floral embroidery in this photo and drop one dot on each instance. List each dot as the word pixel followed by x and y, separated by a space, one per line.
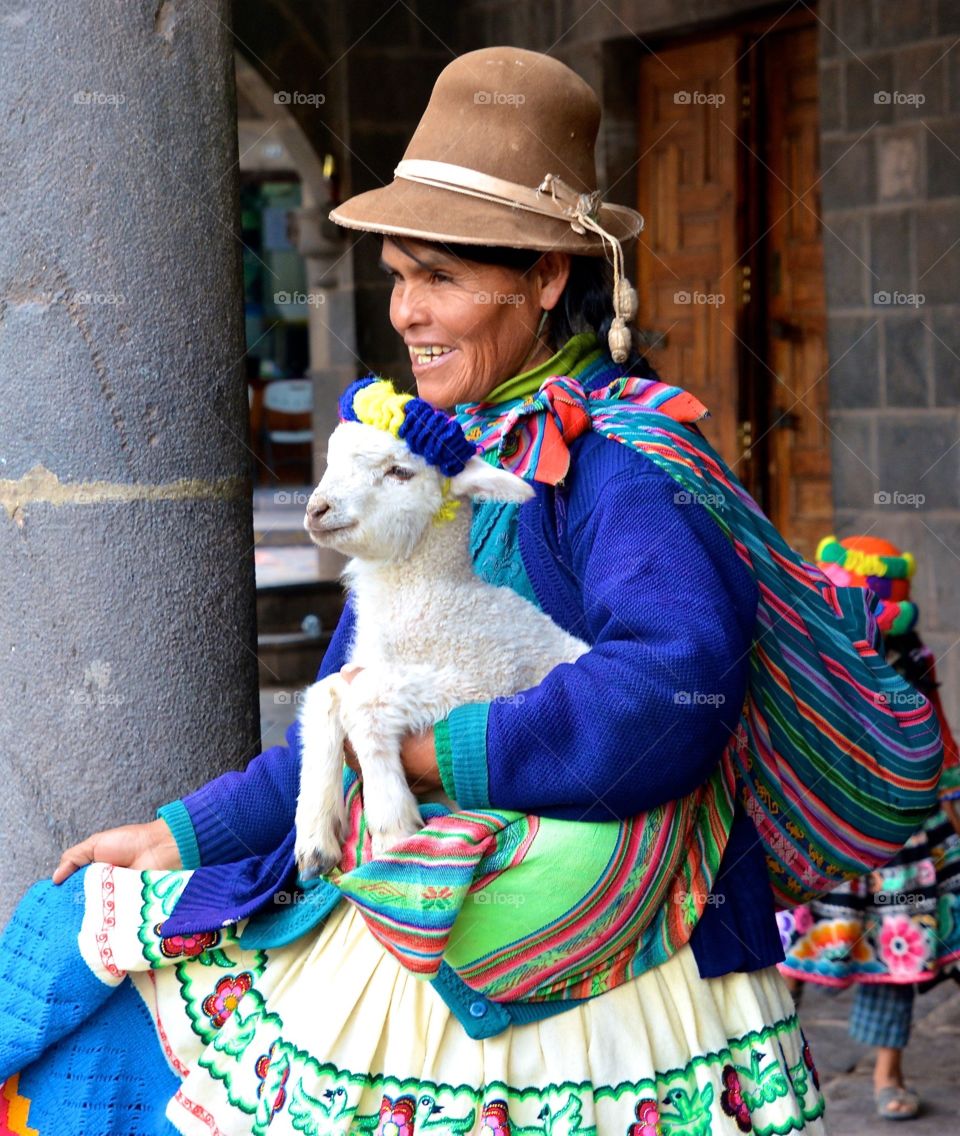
pixel 731 1099
pixel 435 896
pixel 396 1116
pixel 219 1005
pixel 495 1120
pixel 278 1081
pixel 802 919
pixel 648 1119
pixel 808 1061
pixel 902 946
pixel 187 946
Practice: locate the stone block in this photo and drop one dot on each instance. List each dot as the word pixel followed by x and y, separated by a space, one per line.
pixel 854 363
pixel 849 173
pixel 869 91
pixel 831 97
pixel 919 80
pixel 943 159
pixel 854 26
pixel 953 79
pixel 906 361
pixel 829 45
pixel 853 461
pixel 900 164
pixel 919 462
pixel 938 265
pixel 845 262
pixel 904 22
pixel 890 255
pixel 948 17
pixel 945 333
pixel 941 564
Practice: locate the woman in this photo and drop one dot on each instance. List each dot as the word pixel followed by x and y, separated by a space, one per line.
pixel 895 928
pixel 312 1025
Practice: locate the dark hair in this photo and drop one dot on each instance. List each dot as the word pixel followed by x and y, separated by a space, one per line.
pixel 586 303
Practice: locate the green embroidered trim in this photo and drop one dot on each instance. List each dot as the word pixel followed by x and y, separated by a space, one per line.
pixel 262 1074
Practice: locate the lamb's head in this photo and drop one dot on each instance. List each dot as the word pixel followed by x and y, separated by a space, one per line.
pixel 395 468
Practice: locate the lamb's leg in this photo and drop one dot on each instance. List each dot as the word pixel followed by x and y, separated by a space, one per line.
pixel 321 813
pixel 381 708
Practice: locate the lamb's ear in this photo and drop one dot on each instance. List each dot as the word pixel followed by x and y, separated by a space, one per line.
pixel 479 479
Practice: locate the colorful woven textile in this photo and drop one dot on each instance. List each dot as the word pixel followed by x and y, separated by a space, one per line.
pixel 897 924
pixel 478 890
pixel 837 756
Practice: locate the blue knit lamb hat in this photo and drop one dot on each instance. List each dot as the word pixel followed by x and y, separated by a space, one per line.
pixel 435 436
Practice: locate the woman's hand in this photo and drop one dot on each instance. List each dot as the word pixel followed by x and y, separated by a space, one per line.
pixel 140 846
pixel 417 753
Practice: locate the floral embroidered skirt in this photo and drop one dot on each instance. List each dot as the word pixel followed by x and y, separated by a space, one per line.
pixel 899 924
pixel 330 1036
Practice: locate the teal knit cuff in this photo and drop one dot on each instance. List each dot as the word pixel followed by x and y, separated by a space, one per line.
pixel 179 822
pixel 461 744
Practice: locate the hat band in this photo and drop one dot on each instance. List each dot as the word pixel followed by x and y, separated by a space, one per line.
pixel 552 198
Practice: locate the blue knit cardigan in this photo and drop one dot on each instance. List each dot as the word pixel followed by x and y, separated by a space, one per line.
pixel 669 609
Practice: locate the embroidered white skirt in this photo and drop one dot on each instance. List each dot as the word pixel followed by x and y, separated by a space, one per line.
pixel 331 1036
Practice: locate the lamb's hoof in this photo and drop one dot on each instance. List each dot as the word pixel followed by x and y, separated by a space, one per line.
pixel 313 864
pixel 319 852
pixel 383 841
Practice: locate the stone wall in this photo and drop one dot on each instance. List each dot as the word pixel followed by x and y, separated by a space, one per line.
pixel 890 104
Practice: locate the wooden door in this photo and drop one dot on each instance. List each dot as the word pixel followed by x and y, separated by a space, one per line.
pixel 800 501
pixel 688 249
pixel 730 262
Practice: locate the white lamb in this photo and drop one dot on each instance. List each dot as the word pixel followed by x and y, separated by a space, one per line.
pixel 430 634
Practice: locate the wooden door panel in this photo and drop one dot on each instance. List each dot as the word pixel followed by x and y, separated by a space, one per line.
pixel 800 501
pixel 687 186
pixel 731 172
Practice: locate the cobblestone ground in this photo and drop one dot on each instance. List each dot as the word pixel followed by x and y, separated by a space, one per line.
pixel 931 1064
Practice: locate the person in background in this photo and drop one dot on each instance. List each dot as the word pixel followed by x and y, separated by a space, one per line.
pixel 894 930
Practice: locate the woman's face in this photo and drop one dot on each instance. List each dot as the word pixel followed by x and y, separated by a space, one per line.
pixel 468 326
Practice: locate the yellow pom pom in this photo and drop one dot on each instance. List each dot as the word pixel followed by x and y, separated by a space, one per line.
pixel 911 564
pixel 822 547
pixel 448 510
pixel 379 405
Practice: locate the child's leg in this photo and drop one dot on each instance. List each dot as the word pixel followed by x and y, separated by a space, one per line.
pixel 881 1016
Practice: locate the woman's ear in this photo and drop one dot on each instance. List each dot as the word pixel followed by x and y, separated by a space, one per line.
pixel 553 272
pixel 480 479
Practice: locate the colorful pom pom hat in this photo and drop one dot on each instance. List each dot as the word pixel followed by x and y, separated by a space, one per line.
pixel 435 436
pixel 869 562
pixel 504 157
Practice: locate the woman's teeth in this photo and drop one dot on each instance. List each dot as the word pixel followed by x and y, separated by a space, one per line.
pixel 422 355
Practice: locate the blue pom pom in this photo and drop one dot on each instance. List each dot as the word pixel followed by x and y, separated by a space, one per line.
pixel 347 413
pixel 436 437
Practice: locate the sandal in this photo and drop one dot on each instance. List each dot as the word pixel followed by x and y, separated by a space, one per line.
pixel 894 1102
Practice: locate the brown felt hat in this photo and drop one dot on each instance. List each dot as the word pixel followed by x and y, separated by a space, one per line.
pixel 503 156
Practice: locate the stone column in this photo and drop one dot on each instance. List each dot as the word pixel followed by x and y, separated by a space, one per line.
pixel 127 624
pixel 333 361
